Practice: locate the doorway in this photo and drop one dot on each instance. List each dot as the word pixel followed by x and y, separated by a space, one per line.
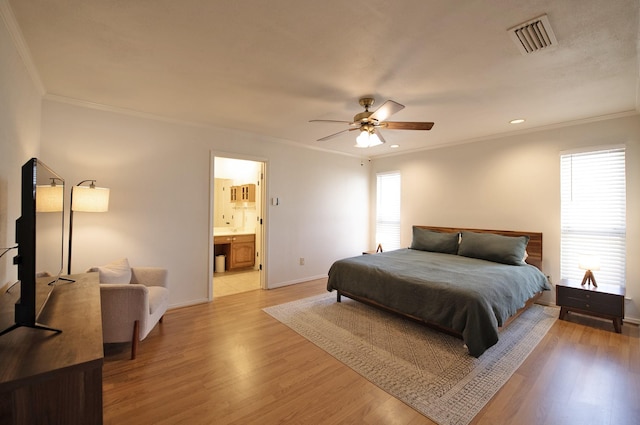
pixel 237 225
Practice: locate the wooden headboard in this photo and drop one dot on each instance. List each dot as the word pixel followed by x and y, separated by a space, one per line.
pixel 534 247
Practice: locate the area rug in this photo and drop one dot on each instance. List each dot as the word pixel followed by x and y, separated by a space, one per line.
pixel 430 371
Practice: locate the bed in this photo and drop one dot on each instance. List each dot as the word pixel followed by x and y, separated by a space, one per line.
pixel 467 282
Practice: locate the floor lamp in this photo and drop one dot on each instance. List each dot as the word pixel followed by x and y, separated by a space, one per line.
pixel 86 199
pixel 50 199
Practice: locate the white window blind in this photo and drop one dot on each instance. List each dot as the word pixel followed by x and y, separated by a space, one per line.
pixel 388 210
pixel 593 213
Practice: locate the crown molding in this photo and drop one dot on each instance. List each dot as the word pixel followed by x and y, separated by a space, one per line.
pixel 162 118
pixel 21 46
pixel 119 110
pixel 130 112
pixel 514 133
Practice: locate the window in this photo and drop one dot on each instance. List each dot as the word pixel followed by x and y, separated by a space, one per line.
pixel 593 213
pixel 388 210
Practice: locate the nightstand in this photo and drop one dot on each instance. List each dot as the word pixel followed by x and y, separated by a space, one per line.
pixel 378 249
pixel 606 301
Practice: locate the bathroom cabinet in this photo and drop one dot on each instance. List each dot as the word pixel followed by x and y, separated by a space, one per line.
pixel 243 193
pixel 243 250
pixel 240 250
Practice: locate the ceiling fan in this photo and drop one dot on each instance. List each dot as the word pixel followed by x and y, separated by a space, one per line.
pixel 370 123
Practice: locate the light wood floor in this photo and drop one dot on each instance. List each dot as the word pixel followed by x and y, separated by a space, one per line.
pixel 228 362
pixel 231 282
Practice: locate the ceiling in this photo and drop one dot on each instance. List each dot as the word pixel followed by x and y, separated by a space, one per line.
pixel 268 67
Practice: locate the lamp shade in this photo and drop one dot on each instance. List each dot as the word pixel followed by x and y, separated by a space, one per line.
pixel 589 262
pixel 49 198
pixel 90 199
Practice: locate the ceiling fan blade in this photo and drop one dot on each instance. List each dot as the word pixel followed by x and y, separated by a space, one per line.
pixel 344 122
pixel 379 134
pixel 387 109
pixel 331 136
pixel 394 125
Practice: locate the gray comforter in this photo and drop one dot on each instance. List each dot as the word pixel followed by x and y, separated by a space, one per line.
pixel 470 296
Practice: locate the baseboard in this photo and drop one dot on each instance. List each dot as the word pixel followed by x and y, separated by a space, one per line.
pixel 188 304
pixel 293 282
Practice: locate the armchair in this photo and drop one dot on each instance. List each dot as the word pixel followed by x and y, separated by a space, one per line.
pixel 133 300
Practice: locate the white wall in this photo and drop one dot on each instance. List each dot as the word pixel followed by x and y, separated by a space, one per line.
pixel 513 183
pixel 159 176
pixel 20 106
pixel 159 172
pixel 241 171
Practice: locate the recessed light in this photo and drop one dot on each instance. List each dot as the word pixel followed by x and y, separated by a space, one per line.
pixel 394 146
pixel 517 121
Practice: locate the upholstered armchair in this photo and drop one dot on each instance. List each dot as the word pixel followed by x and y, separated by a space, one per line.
pixel 133 301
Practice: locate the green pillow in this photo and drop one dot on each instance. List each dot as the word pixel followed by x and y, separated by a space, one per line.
pixel 429 240
pixel 492 247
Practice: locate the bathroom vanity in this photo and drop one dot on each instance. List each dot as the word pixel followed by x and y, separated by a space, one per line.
pixel 239 249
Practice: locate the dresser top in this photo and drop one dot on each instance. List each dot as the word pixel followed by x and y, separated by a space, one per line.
pixel 601 288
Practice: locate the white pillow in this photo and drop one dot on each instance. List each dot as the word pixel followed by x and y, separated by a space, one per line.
pixel 115 272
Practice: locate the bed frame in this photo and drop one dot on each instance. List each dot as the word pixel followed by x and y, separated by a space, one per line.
pixel 534 251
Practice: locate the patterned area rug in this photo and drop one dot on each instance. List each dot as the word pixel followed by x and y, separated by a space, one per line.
pixel 428 370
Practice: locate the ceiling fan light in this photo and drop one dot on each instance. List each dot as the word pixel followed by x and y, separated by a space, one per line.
pixel 367 139
pixel 374 140
pixel 362 141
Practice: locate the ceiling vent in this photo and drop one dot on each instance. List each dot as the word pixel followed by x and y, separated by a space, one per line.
pixel 533 35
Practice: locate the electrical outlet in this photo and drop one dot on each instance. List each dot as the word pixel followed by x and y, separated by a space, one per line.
pixel 301 261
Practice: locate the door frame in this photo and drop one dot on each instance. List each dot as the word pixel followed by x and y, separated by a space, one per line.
pixel 262 229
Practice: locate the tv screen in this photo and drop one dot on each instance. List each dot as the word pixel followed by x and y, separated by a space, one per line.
pixel 40 239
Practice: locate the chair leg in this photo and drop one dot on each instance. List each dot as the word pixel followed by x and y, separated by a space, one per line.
pixel 135 339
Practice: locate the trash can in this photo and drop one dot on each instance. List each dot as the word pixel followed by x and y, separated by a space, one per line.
pixel 219 263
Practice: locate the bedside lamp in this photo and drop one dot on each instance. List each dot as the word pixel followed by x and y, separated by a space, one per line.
pixel 589 263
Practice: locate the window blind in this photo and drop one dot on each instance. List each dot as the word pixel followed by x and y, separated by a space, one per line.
pixel 388 210
pixel 593 213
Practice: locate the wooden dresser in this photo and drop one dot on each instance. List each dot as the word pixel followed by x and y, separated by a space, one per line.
pixel 54 378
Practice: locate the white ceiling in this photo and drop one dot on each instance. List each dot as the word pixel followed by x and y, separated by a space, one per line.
pixel 268 67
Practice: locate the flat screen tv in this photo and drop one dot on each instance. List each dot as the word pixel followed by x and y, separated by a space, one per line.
pixel 40 240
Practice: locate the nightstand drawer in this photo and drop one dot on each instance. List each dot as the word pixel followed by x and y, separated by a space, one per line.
pixel 606 301
pixel 590 301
